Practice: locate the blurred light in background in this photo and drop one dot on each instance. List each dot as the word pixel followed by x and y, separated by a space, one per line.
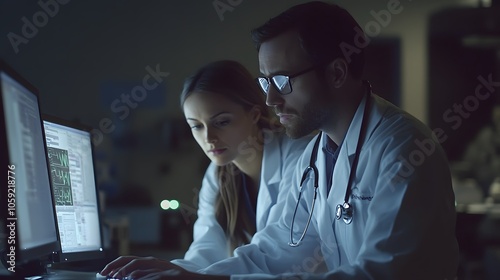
pixel 485 3
pixel 169 204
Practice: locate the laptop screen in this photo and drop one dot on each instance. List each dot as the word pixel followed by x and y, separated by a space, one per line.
pixel 71 163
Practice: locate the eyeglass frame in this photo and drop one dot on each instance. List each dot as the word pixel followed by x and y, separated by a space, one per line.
pixel 270 80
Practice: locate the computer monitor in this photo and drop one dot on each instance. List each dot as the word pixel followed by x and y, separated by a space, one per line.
pixel 30 232
pixel 71 164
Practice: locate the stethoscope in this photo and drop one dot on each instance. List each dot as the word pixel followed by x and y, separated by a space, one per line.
pixel 344 210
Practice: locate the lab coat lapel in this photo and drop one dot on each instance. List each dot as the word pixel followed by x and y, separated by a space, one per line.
pixel 323 213
pixel 344 162
pixel 343 168
pixel 269 181
pixel 339 186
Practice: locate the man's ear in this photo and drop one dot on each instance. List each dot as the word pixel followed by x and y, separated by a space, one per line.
pixel 255 113
pixel 337 72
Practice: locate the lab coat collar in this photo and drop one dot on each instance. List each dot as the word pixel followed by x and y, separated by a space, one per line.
pixel 351 139
pixel 272 154
pixel 348 149
pixel 270 177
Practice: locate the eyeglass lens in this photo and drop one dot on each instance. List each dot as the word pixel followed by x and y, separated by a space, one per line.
pixel 281 83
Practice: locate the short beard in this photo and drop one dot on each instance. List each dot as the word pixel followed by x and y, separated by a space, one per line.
pixel 312 118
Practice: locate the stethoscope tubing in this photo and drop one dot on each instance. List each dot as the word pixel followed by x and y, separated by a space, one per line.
pixel 344 210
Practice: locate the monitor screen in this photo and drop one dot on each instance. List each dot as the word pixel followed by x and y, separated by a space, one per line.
pixel 29 214
pixel 69 150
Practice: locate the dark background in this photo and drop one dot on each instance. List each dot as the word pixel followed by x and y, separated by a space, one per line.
pixel 86 54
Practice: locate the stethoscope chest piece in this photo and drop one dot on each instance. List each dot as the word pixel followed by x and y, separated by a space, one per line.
pixel 344 211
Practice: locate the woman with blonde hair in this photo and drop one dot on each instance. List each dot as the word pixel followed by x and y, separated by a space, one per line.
pixel 252 161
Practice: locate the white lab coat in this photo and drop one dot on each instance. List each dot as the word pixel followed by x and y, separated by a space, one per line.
pixel 278 164
pixel 404 216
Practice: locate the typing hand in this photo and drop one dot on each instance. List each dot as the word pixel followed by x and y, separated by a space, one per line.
pixel 136 267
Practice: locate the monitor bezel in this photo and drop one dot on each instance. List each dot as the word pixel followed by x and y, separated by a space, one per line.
pixel 38 254
pixel 64 257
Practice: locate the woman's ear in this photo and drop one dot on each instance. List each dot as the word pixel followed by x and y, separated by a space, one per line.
pixel 336 72
pixel 255 113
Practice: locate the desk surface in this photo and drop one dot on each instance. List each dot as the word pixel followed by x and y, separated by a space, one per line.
pixel 70 275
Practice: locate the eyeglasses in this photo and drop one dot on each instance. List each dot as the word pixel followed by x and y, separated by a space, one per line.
pixel 280 82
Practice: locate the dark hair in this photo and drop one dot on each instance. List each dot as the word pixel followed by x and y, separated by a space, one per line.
pixel 325 30
pixel 232 80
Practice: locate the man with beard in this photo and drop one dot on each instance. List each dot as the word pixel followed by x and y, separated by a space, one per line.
pixel 373 196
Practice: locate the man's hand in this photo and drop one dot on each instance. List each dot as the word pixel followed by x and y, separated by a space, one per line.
pixel 137 267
